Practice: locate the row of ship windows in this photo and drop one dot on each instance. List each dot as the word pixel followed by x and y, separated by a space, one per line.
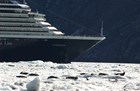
pixel 22 21
pixel 5 1
pixel 23 24
pixel 37 16
pixel 12 27
pixel 26 29
pixel 14 11
pixel 18 21
pixel 42 34
pixel 20 16
pixel 20 29
pixel 2 6
pixel 34 32
pixel 14 16
pixel 26 26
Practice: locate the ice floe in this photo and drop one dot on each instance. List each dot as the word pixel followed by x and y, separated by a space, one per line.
pixel 76 76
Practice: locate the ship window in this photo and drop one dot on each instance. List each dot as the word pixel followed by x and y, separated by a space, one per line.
pixel 45 25
pixel 25 12
pixel 39 16
pixel 55 30
pixel 31 15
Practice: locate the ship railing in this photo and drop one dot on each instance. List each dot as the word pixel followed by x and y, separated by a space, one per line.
pixel 23 19
pixel 40 19
pixel 15 9
pixel 9 24
pixel 46 35
pixel 24 33
pixel 21 29
pixel 13 15
pixel 17 19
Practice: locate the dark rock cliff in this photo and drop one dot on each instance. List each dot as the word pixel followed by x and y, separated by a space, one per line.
pixel 83 17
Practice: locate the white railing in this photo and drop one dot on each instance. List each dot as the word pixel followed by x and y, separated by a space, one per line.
pixel 14 15
pixel 23 19
pixel 18 19
pixel 15 9
pixel 21 29
pixel 18 24
pixel 45 35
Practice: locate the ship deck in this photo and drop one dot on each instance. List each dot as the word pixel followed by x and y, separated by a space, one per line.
pixel 42 35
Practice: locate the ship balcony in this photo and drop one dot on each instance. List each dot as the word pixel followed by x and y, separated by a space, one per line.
pixel 57 32
pixel 42 35
pixel 22 29
pixel 45 23
pixel 25 34
pixel 32 14
pixel 17 20
pixel 13 15
pixel 40 19
pixel 16 9
pixel 10 24
pixel 13 5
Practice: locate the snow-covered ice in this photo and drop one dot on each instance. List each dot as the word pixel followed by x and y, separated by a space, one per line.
pixel 76 76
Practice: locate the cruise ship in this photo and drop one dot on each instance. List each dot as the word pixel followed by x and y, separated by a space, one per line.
pixel 26 35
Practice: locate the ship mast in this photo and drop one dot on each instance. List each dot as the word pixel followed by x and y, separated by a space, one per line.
pixel 102 29
pixel 24 2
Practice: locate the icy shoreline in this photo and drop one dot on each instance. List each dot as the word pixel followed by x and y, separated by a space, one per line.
pixel 48 76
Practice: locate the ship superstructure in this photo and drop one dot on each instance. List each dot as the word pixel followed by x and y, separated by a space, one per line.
pixel 25 35
pixel 16 17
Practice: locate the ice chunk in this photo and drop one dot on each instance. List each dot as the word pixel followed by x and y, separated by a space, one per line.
pixel 5 88
pixel 33 85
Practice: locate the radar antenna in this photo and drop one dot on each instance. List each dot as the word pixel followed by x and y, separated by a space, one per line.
pixel 102 29
pixel 37 11
pixel 24 2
